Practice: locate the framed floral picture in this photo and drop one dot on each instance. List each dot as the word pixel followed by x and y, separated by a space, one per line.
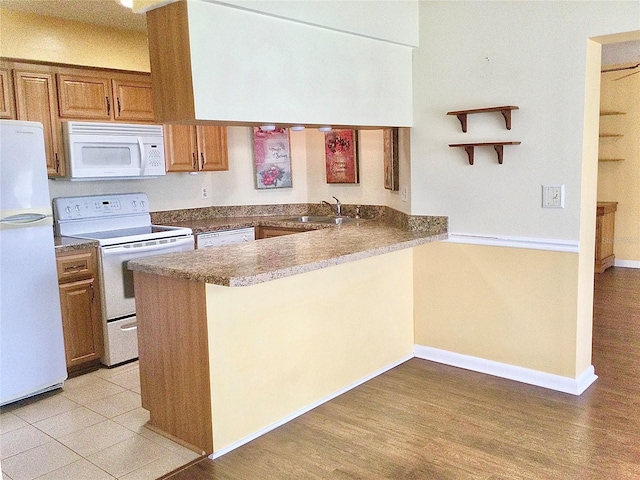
pixel 341 156
pixel 272 158
pixel 391 161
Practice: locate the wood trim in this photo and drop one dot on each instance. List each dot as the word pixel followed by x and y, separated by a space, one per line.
pixel 171 63
pixel 173 349
pixel 7 98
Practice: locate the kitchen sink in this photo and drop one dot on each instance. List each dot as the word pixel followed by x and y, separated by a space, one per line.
pixel 319 219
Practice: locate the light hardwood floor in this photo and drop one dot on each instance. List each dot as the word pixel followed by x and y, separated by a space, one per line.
pixel 423 420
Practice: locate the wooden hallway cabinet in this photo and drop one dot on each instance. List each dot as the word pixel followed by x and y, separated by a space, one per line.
pixel 605 232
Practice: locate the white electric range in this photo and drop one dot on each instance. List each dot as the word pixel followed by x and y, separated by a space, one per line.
pixel 121 224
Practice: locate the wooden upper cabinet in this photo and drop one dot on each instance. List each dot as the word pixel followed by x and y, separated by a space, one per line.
pixel 189 148
pixel 212 148
pixel 7 104
pixel 84 97
pixel 36 102
pixel 96 97
pixel 180 148
pixel 133 100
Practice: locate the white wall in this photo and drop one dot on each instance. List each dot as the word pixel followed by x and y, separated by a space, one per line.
pixel 536 55
pixel 481 54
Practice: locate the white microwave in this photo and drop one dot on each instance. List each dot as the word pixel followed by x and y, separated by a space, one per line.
pixel 113 150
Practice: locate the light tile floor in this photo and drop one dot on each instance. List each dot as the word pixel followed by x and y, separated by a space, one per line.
pixel 92 429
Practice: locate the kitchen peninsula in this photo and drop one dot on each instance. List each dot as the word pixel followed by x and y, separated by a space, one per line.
pixel 315 314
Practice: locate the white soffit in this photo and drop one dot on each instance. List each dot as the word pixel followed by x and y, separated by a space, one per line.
pixel 251 67
pixel 394 21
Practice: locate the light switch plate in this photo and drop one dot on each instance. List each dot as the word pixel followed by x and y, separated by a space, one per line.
pixel 553 196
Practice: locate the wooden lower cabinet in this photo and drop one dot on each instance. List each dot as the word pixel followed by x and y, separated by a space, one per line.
pixel 270 232
pixel 605 231
pixel 81 309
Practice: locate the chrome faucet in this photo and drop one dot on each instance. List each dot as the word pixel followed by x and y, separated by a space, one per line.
pixel 338 206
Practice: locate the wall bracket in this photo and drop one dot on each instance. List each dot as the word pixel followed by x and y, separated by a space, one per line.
pixel 498 147
pixel 505 110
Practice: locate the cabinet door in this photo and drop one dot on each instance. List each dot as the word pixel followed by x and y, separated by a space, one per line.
pixel 212 148
pixel 180 148
pixel 84 97
pixel 133 101
pixel 36 101
pixel 80 321
pixel 7 109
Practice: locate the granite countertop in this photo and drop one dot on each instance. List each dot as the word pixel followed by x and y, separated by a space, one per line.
pixel 269 259
pixel 66 244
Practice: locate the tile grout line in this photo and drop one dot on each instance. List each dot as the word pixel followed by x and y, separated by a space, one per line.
pixel 127 387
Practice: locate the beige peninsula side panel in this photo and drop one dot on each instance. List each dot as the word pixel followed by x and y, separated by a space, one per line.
pixel 278 347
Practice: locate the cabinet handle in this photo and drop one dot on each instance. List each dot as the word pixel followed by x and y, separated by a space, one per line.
pixel 75 268
pixel 108 105
pixel 92 292
pixel 118 100
pixel 57 162
pixel 195 162
pixel 203 161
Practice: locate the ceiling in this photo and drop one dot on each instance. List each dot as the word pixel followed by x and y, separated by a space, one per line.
pixel 110 13
pixel 101 12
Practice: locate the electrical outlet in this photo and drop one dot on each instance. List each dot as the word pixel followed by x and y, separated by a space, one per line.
pixel 553 196
pixel 204 192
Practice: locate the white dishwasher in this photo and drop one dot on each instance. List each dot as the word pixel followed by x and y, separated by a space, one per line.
pixel 225 237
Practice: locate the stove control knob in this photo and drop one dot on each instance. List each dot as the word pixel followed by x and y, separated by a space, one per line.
pixel 141 203
pixel 68 209
pixel 134 204
pixel 78 208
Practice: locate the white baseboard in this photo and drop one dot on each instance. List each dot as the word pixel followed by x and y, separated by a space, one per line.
pixel 574 386
pixel 627 263
pixel 307 408
pixel 570 246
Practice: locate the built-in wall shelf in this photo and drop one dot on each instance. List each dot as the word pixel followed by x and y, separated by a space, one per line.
pixel 606 113
pixel 470 148
pixel 505 110
pixel 610 135
pixel 611 159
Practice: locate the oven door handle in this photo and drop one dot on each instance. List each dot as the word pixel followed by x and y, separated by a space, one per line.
pixel 132 249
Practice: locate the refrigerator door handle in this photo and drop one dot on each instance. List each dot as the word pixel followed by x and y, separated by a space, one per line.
pixel 24 218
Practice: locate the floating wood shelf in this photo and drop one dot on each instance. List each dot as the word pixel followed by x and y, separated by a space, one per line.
pixel 606 113
pixel 611 159
pixel 505 110
pixel 610 135
pixel 498 147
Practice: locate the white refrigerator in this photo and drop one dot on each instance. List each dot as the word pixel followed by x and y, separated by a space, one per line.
pixel 32 358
